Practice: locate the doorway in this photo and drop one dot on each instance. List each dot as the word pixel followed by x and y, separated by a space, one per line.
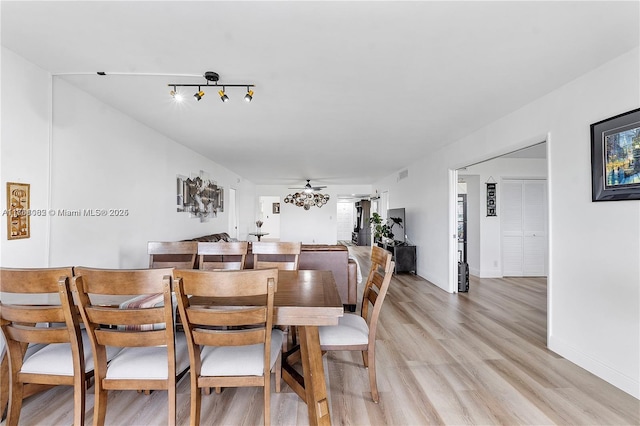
pixel 485 246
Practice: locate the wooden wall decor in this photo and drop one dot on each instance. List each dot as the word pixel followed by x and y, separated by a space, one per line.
pixel 18 224
pixel 199 196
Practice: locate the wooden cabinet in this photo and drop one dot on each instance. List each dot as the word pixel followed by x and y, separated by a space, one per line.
pixel 403 255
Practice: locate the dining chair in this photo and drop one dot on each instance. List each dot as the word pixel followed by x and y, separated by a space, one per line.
pixel 172 254
pixel 358 332
pixel 222 255
pixel 230 346
pixel 153 355
pixel 276 254
pixel 284 256
pixel 44 343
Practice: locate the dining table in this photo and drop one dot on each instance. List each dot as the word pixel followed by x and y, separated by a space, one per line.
pixel 305 299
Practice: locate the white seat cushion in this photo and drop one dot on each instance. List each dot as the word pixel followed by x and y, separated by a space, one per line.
pixel 239 360
pixel 148 362
pixel 55 358
pixel 351 330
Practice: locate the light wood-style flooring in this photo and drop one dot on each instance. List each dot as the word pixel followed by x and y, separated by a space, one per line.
pixel 476 358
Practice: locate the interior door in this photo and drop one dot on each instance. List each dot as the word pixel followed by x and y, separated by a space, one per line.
pixel 524 227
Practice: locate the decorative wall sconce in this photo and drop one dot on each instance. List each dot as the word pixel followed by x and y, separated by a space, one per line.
pixel 211 81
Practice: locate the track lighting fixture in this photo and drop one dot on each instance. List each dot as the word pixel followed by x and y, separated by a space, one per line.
pixel 223 96
pixel 211 81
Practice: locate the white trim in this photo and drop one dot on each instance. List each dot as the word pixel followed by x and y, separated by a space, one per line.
pixel 595 366
pixel 453 231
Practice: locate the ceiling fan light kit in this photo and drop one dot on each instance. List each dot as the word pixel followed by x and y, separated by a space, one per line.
pixel 307 197
pixel 212 80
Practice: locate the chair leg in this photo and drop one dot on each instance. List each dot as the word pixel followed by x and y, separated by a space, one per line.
pixel 4 385
pixel 365 361
pixel 372 376
pixel 267 399
pixel 278 371
pixel 196 400
pixel 171 388
pixel 100 405
pixel 15 403
pixel 79 391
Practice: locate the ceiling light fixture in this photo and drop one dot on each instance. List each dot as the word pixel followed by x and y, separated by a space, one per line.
pixel 176 95
pixel 223 96
pixel 212 80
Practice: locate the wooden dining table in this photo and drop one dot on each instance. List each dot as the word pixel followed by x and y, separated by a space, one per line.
pixel 305 299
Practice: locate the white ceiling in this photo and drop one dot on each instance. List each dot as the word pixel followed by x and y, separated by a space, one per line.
pixel 346 92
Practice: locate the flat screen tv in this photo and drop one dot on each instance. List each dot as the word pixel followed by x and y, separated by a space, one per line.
pixel 398 232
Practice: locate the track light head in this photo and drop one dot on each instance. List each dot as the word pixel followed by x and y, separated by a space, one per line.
pixel 223 96
pixel 249 96
pixel 177 96
pixel 199 94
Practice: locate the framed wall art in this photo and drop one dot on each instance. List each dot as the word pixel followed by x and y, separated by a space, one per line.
pixel 18 224
pixel 491 199
pixel 276 208
pixel 615 158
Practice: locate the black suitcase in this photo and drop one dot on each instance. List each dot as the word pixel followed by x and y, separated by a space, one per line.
pixel 463 277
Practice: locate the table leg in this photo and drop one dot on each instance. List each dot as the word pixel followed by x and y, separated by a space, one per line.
pixel 313 371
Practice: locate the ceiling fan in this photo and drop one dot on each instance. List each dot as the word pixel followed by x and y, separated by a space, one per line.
pixel 308 188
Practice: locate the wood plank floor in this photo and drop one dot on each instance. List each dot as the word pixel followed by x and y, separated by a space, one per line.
pixel 465 359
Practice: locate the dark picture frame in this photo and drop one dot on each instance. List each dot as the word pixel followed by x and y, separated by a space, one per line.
pixel 276 208
pixel 615 158
pixel 491 199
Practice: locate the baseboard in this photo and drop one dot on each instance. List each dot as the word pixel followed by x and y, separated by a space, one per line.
pixel 600 369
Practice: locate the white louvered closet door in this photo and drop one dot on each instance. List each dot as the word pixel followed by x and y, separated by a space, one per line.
pixel 524 228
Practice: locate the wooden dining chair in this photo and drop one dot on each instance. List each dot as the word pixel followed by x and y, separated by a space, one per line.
pixel 172 254
pixel 222 255
pixel 153 354
pixel 276 254
pixel 230 346
pixel 284 256
pixel 44 343
pixel 358 332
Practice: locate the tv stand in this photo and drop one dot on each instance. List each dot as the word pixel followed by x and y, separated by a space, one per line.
pixel 404 256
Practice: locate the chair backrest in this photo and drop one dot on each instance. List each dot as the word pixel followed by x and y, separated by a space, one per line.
pixel 236 326
pixel 222 255
pixel 172 254
pixel 274 254
pixel 149 321
pixel 375 289
pixel 19 326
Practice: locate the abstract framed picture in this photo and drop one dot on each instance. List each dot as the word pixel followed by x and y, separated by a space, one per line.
pixel 18 224
pixel 615 158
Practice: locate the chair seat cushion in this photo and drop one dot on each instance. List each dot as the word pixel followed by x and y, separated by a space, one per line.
pixel 55 358
pixel 148 362
pixel 239 360
pixel 351 330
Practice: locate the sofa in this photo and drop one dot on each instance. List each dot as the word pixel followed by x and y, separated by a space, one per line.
pixel 322 257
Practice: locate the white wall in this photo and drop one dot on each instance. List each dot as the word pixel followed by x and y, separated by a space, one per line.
pixel 100 159
pixel 271 221
pixel 24 143
pixel 314 226
pixel 594 270
pixel 489 245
